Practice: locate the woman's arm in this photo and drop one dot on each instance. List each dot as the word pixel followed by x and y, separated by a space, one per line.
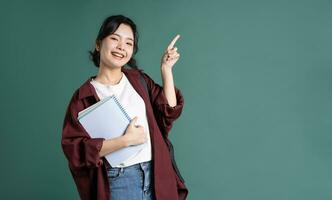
pixel 168 86
pixel 111 145
pixel 85 152
pixel 80 150
pixel 164 113
pixel 170 57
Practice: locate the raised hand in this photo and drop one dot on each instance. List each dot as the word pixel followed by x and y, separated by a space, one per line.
pixel 171 56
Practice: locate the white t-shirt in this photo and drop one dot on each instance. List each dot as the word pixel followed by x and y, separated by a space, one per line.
pixel 134 106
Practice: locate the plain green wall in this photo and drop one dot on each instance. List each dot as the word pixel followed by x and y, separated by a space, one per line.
pixel 256 77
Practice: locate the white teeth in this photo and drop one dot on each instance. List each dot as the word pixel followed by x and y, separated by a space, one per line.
pixel 117 55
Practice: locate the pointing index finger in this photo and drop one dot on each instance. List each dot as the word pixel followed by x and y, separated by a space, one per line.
pixel 171 45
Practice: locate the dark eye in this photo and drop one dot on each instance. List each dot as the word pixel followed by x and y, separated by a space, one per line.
pixel 114 38
pixel 130 44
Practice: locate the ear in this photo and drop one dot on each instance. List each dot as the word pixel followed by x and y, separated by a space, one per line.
pixel 97 45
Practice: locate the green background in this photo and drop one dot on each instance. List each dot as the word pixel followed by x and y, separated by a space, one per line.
pixel 256 77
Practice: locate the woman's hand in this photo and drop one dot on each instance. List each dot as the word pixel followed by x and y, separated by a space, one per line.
pixel 134 135
pixel 171 56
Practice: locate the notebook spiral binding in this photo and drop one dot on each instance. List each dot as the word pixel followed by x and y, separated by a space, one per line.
pixel 120 106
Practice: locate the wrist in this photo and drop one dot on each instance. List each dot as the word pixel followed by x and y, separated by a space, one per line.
pixel 166 73
pixel 165 69
pixel 125 141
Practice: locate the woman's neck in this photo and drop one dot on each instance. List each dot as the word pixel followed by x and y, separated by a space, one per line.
pixel 109 76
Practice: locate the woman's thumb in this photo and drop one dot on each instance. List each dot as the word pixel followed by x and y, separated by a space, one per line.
pixel 133 121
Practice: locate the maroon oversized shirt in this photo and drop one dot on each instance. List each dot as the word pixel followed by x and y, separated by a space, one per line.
pixel 89 170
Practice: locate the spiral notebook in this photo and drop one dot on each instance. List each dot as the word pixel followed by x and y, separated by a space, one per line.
pixel 108 119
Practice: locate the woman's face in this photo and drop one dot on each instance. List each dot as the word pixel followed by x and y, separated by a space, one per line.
pixel 117 48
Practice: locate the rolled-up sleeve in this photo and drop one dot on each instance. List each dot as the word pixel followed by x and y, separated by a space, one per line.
pixel 80 150
pixel 164 113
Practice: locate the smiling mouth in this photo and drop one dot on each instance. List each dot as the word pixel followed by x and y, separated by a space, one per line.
pixel 117 55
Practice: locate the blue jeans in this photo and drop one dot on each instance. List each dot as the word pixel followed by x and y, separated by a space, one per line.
pixel 131 183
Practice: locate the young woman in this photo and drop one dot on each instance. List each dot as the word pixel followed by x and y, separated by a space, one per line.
pixel 151 173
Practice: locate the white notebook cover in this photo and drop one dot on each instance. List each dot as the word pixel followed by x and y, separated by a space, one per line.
pixel 108 119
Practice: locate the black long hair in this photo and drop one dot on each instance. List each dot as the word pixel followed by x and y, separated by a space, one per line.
pixel 108 27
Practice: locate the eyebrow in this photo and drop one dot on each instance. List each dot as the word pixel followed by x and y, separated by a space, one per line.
pixel 126 38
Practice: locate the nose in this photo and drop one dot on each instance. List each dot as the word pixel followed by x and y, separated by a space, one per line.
pixel 120 46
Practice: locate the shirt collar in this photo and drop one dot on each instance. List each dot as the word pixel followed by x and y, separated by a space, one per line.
pixel 87 89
